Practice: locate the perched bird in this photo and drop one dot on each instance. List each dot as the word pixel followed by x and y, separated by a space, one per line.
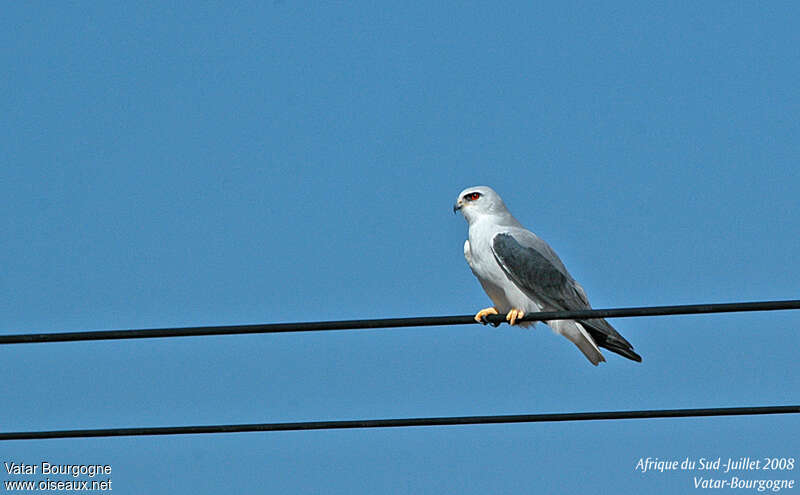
pixel 521 273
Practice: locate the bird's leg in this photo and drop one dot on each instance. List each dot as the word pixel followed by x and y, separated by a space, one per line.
pixel 481 315
pixel 514 315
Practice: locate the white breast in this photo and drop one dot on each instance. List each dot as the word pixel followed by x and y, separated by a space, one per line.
pixel 501 290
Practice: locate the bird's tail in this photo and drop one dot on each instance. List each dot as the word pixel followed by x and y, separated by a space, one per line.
pixel 576 333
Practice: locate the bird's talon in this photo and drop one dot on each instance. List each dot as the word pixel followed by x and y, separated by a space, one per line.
pixel 480 317
pixel 514 315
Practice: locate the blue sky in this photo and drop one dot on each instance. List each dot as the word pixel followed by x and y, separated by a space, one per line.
pixel 208 164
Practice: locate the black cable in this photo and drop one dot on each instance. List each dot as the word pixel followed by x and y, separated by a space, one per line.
pixel 316 326
pixel 402 422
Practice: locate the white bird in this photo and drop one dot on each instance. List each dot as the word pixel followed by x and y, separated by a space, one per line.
pixel 521 273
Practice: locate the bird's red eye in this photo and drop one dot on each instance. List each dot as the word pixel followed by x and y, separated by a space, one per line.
pixel 474 196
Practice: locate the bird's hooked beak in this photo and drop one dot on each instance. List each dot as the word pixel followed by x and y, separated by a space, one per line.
pixel 457 206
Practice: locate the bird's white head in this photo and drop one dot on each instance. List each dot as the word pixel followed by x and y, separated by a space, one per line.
pixel 478 201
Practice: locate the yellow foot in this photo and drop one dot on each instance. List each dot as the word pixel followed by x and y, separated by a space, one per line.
pixel 483 314
pixel 514 315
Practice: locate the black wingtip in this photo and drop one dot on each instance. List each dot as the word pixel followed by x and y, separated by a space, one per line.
pixel 625 352
pixel 633 356
pixel 616 343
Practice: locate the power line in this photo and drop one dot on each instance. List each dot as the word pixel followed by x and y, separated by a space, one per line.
pixel 316 326
pixel 402 422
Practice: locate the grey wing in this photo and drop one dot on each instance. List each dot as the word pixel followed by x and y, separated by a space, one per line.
pixel 535 268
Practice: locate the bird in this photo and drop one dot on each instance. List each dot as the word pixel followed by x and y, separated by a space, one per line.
pixel 522 274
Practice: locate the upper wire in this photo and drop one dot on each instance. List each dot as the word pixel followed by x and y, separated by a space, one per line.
pixel 363 324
